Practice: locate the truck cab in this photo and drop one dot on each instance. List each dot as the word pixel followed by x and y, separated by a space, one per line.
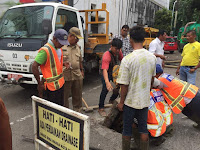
pixel 24 29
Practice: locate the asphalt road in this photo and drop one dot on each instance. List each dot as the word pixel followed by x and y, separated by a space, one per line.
pixel 19 106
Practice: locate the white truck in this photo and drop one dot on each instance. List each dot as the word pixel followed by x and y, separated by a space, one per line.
pixel 27 27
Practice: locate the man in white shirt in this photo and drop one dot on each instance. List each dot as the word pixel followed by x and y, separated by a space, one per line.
pixel 135 78
pixel 156 47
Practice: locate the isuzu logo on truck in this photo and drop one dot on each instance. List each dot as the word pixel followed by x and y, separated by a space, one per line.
pixel 14 45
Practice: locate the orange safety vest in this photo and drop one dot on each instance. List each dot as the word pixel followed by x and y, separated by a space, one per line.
pixel 52 70
pixel 175 92
pixel 167 112
pixel 155 121
pixel 163 106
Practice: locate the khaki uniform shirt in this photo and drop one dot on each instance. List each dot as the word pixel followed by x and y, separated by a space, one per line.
pixel 73 55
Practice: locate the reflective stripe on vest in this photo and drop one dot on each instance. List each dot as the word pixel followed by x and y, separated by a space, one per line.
pixel 163 107
pixel 190 88
pixel 159 128
pixel 175 92
pixel 53 68
pixel 52 79
pixel 176 101
pixel 168 115
pixel 155 122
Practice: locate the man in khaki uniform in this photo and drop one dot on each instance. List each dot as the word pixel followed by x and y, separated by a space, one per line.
pixel 74 74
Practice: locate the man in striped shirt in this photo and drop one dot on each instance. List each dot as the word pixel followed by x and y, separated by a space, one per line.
pixel 126 47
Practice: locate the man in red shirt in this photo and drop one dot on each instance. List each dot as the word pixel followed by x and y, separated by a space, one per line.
pixel 109 60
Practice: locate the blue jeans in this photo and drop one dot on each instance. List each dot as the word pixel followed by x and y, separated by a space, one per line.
pixel 129 114
pixel 104 92
pixel 185 75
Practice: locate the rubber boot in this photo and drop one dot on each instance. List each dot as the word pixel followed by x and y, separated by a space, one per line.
pixel 136 136
pixel 144 145
pixel 126 144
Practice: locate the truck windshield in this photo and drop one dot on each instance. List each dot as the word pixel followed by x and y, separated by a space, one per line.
pixel 25 22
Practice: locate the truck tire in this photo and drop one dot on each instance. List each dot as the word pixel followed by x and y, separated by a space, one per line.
pixel 28 86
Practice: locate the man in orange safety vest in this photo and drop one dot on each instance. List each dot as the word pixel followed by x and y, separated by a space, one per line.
pixel 181 96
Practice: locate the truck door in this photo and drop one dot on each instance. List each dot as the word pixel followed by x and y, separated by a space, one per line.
pixel 66 19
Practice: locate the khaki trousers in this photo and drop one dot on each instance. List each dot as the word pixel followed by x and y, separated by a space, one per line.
pixel 75 88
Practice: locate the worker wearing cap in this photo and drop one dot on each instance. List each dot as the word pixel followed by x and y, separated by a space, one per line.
pixel 75 73
pixel 50 61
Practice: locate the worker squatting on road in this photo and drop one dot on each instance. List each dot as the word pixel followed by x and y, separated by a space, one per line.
pixel 160 117
pixel 181 96
pixel 5 130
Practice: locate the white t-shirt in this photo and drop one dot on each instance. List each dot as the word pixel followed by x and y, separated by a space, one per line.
pixel 156 47
pixel 136 70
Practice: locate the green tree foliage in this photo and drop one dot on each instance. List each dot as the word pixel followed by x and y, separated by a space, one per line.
pixel 188 10
pixel 196 4
pixel 163 20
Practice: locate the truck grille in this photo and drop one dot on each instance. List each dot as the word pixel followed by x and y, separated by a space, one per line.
pixel 17 67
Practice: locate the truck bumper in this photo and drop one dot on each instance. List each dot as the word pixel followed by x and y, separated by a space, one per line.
pixel 18 78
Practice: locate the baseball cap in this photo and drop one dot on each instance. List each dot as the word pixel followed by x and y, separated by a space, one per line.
pixel 61 35
pixel 76 32
pixel 159 69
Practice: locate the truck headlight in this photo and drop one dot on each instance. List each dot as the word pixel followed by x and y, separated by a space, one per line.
pixel 2 65
pixel 30 67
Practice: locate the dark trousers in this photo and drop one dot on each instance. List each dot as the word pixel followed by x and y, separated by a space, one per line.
pixel 56 96
pixel 192 109
pixel 104 92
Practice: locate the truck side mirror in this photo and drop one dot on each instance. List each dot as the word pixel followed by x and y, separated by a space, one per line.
pixel 47 26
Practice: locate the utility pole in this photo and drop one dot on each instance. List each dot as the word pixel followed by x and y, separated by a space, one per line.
pixel 173 17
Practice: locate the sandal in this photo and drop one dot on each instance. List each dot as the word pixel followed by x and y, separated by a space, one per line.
pixel 102 112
